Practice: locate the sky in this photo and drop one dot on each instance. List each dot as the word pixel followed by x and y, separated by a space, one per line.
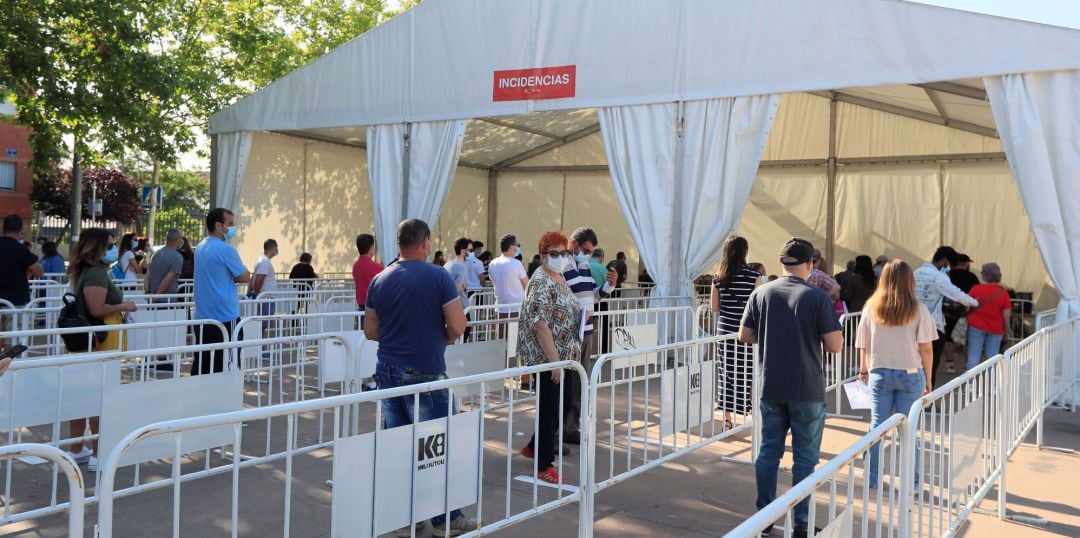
pixel 1056 12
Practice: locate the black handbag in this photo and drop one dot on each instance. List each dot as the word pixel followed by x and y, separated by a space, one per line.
pixel 74 315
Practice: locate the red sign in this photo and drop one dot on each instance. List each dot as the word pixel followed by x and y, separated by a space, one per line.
pixel 536 83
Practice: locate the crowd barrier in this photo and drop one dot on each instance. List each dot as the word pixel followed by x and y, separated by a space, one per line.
pixel 40 397
pixel 30 454
pixel 446 467
pixel 852 507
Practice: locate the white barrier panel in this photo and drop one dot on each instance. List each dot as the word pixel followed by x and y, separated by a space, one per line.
pixel 374 496
pixel 60 462
pixel 58 393
pixel 333 358
pixel 129 407
pixel 169 336
pixel 466 359
pixel 686 397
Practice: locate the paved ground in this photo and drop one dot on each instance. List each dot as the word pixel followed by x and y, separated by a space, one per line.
pixel 700 494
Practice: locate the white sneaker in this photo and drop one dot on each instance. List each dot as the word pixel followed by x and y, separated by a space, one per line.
pixel 82 455
pixel 91 464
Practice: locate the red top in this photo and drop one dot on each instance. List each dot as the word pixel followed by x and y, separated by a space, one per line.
pixel 364 270
pixel 987 317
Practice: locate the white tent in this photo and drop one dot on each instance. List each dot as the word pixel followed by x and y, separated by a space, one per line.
pixel 877 115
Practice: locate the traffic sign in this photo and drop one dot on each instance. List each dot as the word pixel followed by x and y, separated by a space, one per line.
pixel 146 197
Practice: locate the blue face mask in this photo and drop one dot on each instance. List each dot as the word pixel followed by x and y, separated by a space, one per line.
pixel 517 251
pixel 135 244
pixel 471 256
pixel 110 255
pixel 581 258
pixel 230 233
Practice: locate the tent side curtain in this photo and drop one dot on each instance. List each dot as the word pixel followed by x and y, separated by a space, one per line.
pixel 682 173
pixel 1038 118
pixel 233 150
pixel 429 150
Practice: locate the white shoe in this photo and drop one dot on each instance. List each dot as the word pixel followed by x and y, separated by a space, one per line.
pixel 91 464
pixel 82 455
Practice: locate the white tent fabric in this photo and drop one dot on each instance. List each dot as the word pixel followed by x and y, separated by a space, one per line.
pixel 431 159
pixel 1038 116
pixel 233 150
pixel 682 173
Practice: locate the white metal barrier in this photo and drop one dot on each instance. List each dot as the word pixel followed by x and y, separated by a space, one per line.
pixel 851 509
pixel 38 396
pixel 661 405
pixel 1045 319
pixel 29 453
pixel 843 367
pixel 445 459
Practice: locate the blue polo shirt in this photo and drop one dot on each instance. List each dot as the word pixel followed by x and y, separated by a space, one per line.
pixel 409 296
pixel 216 265
pixel 790 317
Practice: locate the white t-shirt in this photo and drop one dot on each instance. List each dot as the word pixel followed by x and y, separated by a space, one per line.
pixel 506 274
pixel 265 267
pixel 125 263
pixel 476 268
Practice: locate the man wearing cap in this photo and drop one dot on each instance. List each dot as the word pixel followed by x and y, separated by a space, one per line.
pixel 791 320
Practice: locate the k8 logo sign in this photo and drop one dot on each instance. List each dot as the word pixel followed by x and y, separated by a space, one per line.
pixel 432 447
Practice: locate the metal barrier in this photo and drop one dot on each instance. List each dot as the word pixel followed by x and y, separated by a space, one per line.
pixel 660 407
pixel 445 457
pixel 1045 319
pixel 29 453
pixel 843 367
pixel 40 395
pixel 838 477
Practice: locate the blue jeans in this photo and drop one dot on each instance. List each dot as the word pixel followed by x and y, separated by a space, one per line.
pixel 981 345
pixel 806 420
pixel 402 411
pixel 892 391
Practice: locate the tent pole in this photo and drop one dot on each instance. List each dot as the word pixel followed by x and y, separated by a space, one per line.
pixel 214 171
pixel 406 165
pixel 492 207
pixel 830 216
pixel 941 204
pixel 676 255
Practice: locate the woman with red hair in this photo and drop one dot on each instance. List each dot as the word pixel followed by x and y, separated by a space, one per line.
pixel 548 332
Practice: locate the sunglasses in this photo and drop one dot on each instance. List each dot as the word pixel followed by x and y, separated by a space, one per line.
pixel 557 253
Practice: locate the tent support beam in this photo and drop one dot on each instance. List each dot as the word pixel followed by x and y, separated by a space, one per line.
pixel 794 163
pixel 956 89
pixel 557 143
pixel 492 206
pixel 937 104
pixel 830 175
pixel 320 138
pixel 908 113
pixel 523 129
pixel 214 172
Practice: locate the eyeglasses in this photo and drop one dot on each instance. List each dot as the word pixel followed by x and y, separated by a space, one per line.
pixel 557 253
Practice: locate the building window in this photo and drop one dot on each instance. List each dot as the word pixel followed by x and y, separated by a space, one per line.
pixel 7 176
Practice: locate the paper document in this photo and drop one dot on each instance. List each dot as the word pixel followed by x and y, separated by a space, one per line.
pixel 858 394
pixel 581 326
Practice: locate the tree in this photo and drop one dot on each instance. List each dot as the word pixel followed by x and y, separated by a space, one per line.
pixel 120 194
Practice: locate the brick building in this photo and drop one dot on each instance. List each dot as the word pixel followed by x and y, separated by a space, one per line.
pixel 16 179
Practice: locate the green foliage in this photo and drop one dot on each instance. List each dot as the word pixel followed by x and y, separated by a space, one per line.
pixel 118 192
pixel 175 217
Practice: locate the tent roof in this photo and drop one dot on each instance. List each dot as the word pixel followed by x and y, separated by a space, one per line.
pixel 436 61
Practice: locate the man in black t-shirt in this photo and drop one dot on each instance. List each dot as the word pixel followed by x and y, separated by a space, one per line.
pixel 17 265
pixel 791 320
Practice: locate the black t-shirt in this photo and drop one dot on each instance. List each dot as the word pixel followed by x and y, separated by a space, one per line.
pixel 15 259
pixel 790 317
pixel 965 280
pixel 302 270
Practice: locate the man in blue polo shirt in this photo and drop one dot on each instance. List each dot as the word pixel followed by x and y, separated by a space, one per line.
pixel 413 310
pixel 583 242
pixel 791 320
pixel 218 269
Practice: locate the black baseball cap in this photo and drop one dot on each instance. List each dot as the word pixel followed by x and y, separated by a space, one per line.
pixel 964 258
pixel 796 251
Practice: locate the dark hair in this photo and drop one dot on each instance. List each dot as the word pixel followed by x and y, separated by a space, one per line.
pixel 461 244
pixel 48 249
pixel 733 259
pixel 412 232
pixel 485 256
pixel 864 267
pixel 946 252
pixel 269 244
pixel 305 258
pixel 185 246
pixel 215 216
pixel 506 242
pixel 584 235
pixel 536 256
pixel 364 242
pixel 620 255
pixel 125 242
pixel 12 224
pixel 88 251
pixel 477 245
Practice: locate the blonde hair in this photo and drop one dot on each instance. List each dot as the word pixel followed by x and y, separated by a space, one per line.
pixel 893 302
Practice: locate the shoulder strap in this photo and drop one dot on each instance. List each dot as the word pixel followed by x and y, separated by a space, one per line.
pixel 990 299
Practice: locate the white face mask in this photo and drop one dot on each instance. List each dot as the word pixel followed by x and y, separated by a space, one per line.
pixel 559 264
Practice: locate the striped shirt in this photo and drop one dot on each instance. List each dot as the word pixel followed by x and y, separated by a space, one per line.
pixel 584 287
pixel 733 297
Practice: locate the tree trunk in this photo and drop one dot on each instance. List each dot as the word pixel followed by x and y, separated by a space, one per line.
pixel 152 220
pixel 76 192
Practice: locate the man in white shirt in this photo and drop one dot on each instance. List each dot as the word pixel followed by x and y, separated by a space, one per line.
pixel 264 278
pixel 508 276
pixel 475 275
pixel 932 285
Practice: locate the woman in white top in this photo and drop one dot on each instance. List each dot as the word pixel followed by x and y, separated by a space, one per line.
pixel 128 262
pixel 894 339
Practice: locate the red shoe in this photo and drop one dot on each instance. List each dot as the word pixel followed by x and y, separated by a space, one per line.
pixel 551 476
pixel 527 452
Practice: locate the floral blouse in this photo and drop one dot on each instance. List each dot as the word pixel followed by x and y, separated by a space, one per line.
pixel 553 302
